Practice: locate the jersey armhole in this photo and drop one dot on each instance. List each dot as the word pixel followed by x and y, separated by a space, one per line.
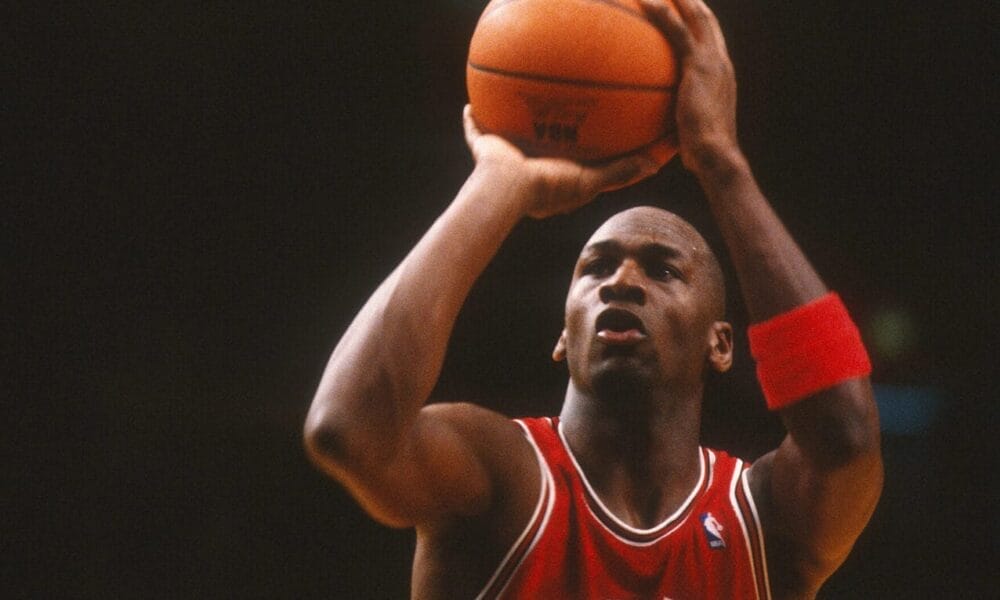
pixel 743 502
pixel 524 543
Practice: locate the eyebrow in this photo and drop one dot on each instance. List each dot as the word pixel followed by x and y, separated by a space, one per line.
pixel 650 249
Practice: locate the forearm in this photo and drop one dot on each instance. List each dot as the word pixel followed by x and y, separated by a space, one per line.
pixel 385 366
pixel 774 274
pixel 818 489
pixel 823 482
pixel 775 277
pixel 387 363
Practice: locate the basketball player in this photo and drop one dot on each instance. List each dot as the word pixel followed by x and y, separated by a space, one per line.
pixel 614 498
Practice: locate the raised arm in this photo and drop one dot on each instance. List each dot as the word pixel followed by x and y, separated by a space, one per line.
pixel 367 426
pixel 817 491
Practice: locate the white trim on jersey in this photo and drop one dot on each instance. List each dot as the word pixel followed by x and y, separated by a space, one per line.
pixel 739 516
pixel 546 501
pixel 740 478
pixel 659 529
pixel 711 466
pixel 745 477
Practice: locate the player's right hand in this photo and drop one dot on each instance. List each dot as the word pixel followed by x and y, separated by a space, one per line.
pixel 559 185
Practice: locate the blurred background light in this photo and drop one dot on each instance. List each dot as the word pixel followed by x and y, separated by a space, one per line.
pixel 907 410
pixel 893 332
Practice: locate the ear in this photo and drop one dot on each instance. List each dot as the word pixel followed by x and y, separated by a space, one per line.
pixel 720 349
pixel 559 352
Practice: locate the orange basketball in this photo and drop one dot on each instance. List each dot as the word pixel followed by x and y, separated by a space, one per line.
pixel 585 79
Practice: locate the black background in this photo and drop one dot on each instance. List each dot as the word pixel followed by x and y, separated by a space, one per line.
pixel 199 196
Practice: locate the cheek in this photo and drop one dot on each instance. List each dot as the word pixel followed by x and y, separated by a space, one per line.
pixel 575 312
pixel 685 329
pixel 577 332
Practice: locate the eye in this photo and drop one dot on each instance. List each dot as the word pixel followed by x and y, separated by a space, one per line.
pixel 662 271
pixel 601 266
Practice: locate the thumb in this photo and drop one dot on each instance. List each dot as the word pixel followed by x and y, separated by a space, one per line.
pixel 470 127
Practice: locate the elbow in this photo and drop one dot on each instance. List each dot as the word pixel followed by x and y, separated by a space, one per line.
pixel 344 444
pixel 328 442
pixel 322 440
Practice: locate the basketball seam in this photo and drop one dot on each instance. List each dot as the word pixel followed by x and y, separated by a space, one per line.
pixel 567 81
pixel 625 9
pixel 610 3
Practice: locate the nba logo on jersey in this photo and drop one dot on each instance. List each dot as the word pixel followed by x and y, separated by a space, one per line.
pixel 713 531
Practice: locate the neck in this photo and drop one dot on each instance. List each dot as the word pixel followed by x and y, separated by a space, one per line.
pixel 639 452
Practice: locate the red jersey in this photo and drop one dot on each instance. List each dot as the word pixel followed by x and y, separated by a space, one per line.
pixel 573 547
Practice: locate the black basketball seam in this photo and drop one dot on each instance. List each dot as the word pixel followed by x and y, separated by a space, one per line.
pixel 580 82
pixel 611 3
pixel 625 9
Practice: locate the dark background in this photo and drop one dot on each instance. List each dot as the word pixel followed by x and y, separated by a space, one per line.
pixel 199 196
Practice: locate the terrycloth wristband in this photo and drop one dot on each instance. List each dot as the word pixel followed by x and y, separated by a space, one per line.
pixel 808 349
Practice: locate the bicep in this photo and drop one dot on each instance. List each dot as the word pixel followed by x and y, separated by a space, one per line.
pixel 446 466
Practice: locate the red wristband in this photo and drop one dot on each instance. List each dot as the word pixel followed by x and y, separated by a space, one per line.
pixel 806 350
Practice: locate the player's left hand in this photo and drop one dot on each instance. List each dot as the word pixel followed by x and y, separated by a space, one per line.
pixel 706 94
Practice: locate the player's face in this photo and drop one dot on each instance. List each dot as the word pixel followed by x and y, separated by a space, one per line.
pixel 641 303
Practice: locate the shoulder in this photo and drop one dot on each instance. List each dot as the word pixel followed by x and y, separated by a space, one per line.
pixel 726 480
pixel 444 565
pixel 484 428
pixel 722 464
pixel 499 443
pixel 481 427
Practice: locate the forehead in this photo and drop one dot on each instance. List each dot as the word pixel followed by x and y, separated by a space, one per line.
pixel 649 225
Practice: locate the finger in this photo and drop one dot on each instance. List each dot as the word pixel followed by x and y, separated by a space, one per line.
pixel 665 16
pixel 717 35
pixel 699 20
pixel 472 132
pixel 628 170
pixel 702 20
pixel 700 16
pixel 693 11
pixel 661 151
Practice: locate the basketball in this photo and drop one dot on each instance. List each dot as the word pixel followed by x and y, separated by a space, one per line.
pixel 584 79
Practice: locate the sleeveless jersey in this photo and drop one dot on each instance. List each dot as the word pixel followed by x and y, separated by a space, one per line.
pixel 574 548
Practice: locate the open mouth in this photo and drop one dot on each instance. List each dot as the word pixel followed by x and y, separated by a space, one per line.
pixel 618 326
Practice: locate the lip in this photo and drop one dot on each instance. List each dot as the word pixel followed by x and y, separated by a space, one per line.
pixel 621 338
pixel 619 327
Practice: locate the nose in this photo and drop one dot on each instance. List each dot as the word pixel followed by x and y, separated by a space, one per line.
pixel 624 285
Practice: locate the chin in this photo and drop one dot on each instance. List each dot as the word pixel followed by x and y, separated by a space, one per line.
pixel 618 380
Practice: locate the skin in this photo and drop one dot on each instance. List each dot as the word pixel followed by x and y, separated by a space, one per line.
pixel 641 397
pixel 465 477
